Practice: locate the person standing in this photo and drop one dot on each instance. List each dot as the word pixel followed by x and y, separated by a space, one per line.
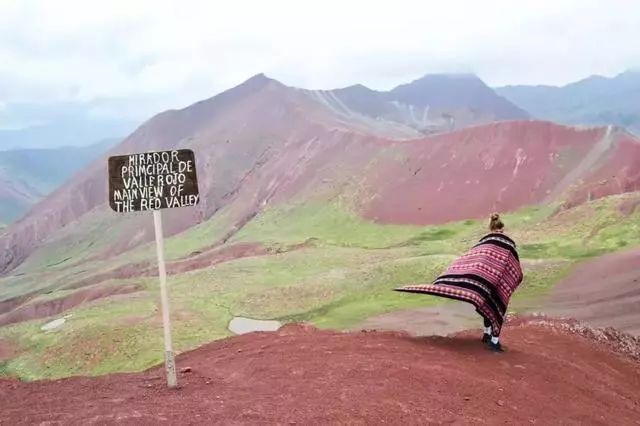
pixel 486 276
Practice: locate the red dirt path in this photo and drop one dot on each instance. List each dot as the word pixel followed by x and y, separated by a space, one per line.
pixel 602 292
pixel 300 375
pixel 6 350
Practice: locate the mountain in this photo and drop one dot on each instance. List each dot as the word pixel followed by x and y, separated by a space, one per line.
pixel 308 214
pixel 15 199
pixel 28 175
pixel 457 92
pixel 593 100
pixel 263 143
pixel 432 104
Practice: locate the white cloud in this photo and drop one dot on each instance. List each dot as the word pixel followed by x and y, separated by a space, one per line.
pixel 185 50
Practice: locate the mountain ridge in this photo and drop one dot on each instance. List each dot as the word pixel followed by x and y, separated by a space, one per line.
pixel 262 142
pixel 592 100
pixel 434 103
pixel 28 175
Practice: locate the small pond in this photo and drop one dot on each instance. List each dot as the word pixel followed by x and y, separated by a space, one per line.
pixel 240 325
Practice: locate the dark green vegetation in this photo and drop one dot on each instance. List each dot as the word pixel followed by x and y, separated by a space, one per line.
pixel 594 100
pixel 341 276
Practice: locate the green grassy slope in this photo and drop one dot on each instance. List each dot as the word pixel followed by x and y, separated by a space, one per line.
pixel 345 276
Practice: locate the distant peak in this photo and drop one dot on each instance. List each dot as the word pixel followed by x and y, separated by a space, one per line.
pixel 355 87
pixel 259 76
pixel 596 77
pixel 429 81
pixel 256 82
pixel 450 76
pixel 632 71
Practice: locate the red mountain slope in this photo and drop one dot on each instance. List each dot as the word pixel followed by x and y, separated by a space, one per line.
pixel 263 142
pixel 232 134
pixel 501 166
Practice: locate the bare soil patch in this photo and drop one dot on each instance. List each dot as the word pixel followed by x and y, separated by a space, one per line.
pixel 603 292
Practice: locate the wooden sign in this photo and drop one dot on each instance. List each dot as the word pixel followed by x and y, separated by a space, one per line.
pixel 153 181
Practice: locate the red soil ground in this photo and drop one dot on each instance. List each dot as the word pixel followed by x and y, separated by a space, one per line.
pixel 217 255
pixel 602 292
pixel 300 375
pixel 6 350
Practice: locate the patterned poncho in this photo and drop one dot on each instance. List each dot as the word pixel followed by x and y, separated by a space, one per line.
pixel 486 277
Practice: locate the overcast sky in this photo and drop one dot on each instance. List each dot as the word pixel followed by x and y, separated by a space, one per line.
pixel 157 54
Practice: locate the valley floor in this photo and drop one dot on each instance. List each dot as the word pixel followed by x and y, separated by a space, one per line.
pixel 320 264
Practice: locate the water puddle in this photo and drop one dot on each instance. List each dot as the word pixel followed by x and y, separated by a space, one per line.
pixel 56 323
pixel 52 325
pixel 240 325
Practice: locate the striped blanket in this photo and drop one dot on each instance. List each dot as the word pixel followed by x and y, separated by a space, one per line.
pixel 486 277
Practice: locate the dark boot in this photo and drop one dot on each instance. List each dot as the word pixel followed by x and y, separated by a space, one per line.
pixel 495 347
pixel 486 338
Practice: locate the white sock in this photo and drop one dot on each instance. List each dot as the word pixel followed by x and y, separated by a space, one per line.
pixel 494 340
pixel 487 330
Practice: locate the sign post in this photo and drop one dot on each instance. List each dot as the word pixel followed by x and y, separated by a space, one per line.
pixel 155 181
pixel 169 361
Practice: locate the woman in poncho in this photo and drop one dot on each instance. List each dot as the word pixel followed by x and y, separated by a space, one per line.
pixel 486 277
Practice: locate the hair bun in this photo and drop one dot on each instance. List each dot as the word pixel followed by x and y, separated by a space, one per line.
pixel 495 216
